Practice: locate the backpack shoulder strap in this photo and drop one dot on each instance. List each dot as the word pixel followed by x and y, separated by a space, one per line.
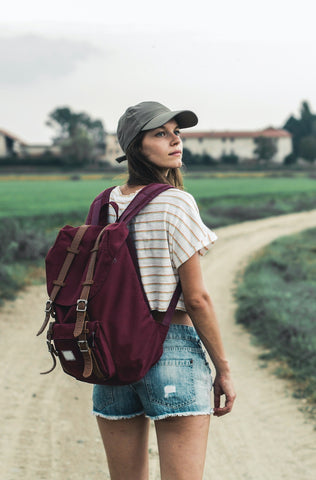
pixel 146 194
pixel 94 212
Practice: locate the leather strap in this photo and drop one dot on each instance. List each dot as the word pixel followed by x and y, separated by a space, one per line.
pixel 86 354
pixel 72 251
pixel 82 302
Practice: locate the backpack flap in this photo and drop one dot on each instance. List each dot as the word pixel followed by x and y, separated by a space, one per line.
pixel 112 239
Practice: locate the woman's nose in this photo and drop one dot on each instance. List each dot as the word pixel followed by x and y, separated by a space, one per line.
pixel 175 138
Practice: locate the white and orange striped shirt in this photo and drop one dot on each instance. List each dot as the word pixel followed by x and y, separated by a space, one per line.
pixel 166 233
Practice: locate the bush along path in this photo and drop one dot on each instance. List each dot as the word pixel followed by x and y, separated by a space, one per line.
pixel 276 301
pixel 47 431
pixel 24 244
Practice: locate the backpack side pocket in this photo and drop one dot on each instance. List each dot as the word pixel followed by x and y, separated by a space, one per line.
pixel 71 355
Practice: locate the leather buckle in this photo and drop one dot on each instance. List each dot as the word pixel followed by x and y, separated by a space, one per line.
pixel 83 346
pixel 84 308
pixel 48 307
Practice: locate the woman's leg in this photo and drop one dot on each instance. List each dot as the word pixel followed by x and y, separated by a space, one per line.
pixel 182 446
pixel 126 446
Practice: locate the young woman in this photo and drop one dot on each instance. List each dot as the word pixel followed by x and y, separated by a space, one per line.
pixel 169 236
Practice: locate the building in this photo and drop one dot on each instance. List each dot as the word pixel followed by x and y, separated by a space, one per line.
pixel 239 143
pixel 112 150
pixel 216 144
pixel 10 145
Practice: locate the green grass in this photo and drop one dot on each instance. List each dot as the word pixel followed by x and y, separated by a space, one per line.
pixel 223 211
pixel 38 197
pixel 276 302
pixel 218 187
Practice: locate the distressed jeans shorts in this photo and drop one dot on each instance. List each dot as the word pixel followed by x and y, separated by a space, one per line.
pixel 179 384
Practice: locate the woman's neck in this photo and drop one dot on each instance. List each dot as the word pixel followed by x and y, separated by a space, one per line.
pixel 128 189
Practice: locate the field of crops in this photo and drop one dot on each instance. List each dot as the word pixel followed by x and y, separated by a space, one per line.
pixel 31 196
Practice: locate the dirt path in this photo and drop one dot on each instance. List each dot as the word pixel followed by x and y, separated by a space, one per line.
pixel 47 431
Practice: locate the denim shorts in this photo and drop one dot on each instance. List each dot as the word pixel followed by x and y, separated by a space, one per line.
pixel 178 385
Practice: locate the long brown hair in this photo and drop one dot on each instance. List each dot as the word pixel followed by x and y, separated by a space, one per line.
pixel 143 172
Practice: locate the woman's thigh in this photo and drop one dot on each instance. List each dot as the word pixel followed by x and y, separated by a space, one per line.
pixel 182 445
pixel 126 445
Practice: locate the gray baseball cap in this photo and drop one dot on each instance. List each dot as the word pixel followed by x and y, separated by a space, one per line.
pixel 146 116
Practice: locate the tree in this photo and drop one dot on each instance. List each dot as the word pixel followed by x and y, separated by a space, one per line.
pixel 80 138
pixel 307 148
pixel 302 127
pixel 191 159
pixel 230 159
pixel 266 148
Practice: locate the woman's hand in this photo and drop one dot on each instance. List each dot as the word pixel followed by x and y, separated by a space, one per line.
pixel 223 385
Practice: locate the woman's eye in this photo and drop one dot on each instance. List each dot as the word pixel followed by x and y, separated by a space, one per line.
pixel 177 132
pixel 160 134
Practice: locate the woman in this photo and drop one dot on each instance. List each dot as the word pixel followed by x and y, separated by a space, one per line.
pixel 169 236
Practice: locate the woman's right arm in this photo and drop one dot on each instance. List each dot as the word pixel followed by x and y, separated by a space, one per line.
pixel 200 309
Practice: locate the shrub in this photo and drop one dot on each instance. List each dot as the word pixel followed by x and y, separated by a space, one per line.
pixel 231 159
pixel 21 244
pixel 290 159
pixel 275 302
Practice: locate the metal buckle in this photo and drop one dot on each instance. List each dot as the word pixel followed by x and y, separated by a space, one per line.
pixel 48 308
pixel 51 348
pixel 85 302
pixel 83 346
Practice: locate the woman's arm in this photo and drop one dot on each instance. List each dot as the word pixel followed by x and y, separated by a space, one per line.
pixel 200 309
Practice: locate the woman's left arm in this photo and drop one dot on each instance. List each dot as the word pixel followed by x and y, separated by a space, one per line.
pixel 200 309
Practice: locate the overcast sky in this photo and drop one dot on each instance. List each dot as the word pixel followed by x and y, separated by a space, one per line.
pixel 239 64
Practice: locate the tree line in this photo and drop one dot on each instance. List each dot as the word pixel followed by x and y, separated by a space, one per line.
pixel 81 141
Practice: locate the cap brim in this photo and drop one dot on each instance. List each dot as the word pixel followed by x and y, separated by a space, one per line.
pixel 184 118
pixel 121 159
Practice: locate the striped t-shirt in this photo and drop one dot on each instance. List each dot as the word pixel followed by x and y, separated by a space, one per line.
pixel 166 233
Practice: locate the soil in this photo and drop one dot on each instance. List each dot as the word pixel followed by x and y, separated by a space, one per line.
pixel 47 431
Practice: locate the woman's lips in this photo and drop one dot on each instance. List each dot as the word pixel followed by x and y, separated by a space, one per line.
pixel 177 152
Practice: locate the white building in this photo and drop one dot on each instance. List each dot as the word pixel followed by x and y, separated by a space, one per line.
pixel 112 150
pixel 215 144
pixel 240 143
pixel 12 146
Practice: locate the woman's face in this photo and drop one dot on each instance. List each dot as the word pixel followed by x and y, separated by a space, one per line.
pixel 163 146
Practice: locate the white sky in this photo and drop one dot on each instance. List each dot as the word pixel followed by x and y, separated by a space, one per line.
pixel 239 64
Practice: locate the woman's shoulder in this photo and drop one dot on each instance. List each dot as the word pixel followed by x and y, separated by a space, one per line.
pixel 180 198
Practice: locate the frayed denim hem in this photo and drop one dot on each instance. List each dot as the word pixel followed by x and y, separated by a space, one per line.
pixel 158 417
pixel 117 417
pixel 179 414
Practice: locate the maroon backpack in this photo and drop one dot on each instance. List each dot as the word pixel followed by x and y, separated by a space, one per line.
pixel 103 330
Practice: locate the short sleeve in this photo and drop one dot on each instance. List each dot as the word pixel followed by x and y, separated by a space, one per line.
pixel 187 233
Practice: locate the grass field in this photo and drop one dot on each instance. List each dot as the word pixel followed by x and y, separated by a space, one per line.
pixel 52 195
